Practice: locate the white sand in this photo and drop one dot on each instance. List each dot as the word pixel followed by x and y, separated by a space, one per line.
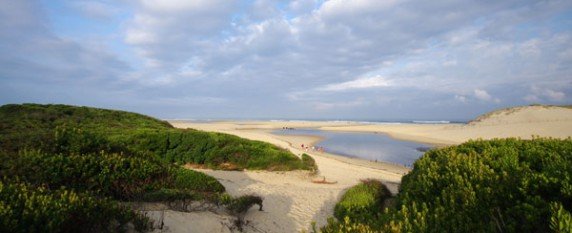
pixel 292 201
pixel 523 122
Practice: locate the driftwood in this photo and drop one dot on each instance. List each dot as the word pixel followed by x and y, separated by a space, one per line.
pixel 323 181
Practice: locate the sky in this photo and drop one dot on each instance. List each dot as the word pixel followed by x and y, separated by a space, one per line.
pixel 276 59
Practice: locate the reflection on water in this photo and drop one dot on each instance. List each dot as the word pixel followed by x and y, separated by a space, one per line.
pixel 370 146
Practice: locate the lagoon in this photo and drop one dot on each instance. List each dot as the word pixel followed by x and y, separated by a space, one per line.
pixel 368 146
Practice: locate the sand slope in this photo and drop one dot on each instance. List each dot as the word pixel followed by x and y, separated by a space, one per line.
pixel 523 122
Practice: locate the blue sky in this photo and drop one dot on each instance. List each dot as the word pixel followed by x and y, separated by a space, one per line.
pixel 301 59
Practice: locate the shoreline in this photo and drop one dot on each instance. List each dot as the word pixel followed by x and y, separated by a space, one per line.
pixel 381 165
pixel 402 137
pixel 388 130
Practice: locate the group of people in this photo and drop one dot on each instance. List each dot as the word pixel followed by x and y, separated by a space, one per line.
pixel 313 148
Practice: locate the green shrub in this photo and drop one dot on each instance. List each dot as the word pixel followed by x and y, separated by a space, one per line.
pixel 112 175
pixel 498 185
pixel 362 203
pixel 169 195
pixel 501 185
pixel 215 150
pixel 28 126
pixel 560 220
pixel 28 209
pixel 242 204
pixel 191 180
pixel 346 225
pixel 309 162
pixel 81 130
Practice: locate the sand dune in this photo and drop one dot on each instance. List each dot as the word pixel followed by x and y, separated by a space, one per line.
pixel 292 201
pixel 523 122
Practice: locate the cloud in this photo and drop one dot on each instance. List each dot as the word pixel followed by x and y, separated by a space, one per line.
pixel 167 33
pixel 461 98
pixel 538 94
pixel 325 106
pixel 296 58
pixel 485 96
pixel 361 83
pixel 31 52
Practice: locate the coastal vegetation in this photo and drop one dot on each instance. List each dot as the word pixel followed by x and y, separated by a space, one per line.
pixel 501 185
pixel 64 167
pixel 363 202
pixel 38 126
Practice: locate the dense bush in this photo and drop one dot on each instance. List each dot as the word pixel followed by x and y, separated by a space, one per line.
pixel 26 208
pixel 215 150
pixel 498 185
pixel 242 204
pixel 362 202
pixel 196 181
pixel 30 125
pixel 561 219
pixel 80 130
pixel 309 162
pixel 502 185
pixel 345 225
pixel 110 175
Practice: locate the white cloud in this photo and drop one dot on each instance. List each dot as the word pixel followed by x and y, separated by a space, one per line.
pixel 304 53
pixel 485 96
pixel 182 5
pixel 461 98
pixel 362 83
pixel 323 106
pixel 170 32
pixel 482 95
pixel 532 98
pixel 139 37
pixel 539 93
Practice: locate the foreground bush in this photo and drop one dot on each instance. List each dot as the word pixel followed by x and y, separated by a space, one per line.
pixel 109 175
pixel 502 185
pixel 27 209
pixel 309 162
pixel 363 202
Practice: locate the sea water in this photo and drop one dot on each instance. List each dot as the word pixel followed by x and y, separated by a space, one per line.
pixel 369 146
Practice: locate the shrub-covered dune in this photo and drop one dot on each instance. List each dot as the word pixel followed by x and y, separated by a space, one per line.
pixel 38 126
pixel 64 165
pixel 502 185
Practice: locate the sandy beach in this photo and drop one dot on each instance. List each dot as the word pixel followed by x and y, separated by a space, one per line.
pixel 292 201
